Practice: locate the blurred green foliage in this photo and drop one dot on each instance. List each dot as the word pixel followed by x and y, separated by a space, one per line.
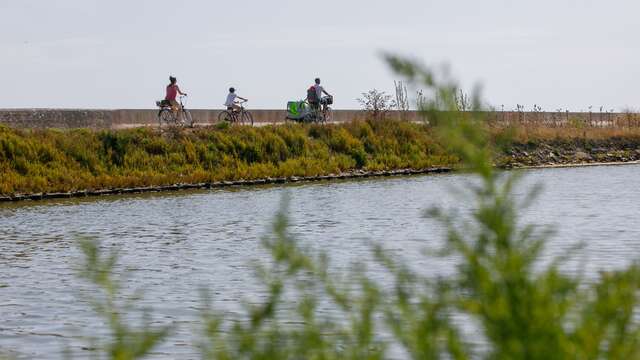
pixel 124 342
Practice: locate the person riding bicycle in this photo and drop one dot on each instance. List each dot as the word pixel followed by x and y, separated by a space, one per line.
pixel 314 96
pixel 232 102
pixel 172 92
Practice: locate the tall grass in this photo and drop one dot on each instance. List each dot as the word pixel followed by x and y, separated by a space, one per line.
pixel 522 309
pixel 538 133
pixel 33 161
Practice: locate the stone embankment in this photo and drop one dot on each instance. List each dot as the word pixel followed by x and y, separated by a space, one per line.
pixel 131 118
pixel 570 152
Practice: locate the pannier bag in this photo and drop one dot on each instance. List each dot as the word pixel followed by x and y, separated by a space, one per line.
pixel 163 103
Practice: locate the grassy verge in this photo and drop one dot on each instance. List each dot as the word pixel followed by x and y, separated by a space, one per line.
pixel 523 134
pixel 34 161
pixel 48 161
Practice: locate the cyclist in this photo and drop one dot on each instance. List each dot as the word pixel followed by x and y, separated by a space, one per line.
pixel 314 95
pixel 172 92
pixel 232 103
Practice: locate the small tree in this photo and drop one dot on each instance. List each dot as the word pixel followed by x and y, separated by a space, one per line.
pixel 376 103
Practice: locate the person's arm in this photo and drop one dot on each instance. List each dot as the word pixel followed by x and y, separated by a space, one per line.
pixel 325 92
pixel 241 98
pixel 180 92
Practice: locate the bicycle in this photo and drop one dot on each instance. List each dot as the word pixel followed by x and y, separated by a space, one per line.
pixel 166 116
pixel 321 114
pixel 241 116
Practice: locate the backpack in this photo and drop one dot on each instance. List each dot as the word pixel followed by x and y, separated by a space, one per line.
pixel 312 95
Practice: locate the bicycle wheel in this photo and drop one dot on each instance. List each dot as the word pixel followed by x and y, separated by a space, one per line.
pixel 308 118
pixel 246 118
pixel 188 119
pixel 327 116
pixel 318 116
pixel 225 116
pixel 166 118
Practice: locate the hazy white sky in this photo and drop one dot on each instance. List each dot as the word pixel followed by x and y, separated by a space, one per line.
pixel 119 53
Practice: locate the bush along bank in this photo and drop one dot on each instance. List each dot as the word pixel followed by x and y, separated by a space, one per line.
pixel 36 164
pixel 54 163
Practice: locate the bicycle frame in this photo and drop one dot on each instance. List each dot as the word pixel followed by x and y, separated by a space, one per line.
pixel 241 103
pixel 181 115
pixel 237 113
pixel 320 112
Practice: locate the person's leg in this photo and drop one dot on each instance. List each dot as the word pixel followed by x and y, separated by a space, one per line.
pixel 318 109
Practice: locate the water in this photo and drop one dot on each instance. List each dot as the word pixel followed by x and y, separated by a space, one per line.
pixel 173 244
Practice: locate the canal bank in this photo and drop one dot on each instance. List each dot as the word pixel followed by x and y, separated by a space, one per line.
pixel 45 163
pixel 357 174
pixel 353 175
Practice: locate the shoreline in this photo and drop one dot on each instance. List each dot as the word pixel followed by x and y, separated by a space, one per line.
pixel 223 184
pixel 571 165
pixel 294 179
pixel 48 164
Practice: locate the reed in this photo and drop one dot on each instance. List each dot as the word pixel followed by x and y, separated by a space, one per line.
pixel 526 133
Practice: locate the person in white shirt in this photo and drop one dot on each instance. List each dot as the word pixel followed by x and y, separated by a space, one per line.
pixel 232 102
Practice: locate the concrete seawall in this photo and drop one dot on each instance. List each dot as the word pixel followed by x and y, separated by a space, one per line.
pixel 127 118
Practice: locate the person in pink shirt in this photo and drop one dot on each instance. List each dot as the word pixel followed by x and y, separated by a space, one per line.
pixel 172 92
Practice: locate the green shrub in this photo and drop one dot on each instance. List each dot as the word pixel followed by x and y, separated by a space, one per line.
pixel 98 159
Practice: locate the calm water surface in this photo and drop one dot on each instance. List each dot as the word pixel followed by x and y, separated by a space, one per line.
pixel 172 245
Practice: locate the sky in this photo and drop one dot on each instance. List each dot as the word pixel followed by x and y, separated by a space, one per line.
pixel 118 54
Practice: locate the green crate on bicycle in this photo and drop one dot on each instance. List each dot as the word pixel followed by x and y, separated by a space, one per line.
pixel 297 110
